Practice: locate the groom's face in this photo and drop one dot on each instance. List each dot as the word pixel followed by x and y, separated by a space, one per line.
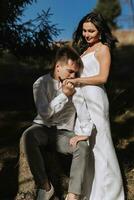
pixel 67 70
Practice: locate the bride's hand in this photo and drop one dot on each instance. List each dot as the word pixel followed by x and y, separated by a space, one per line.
pixel 74 81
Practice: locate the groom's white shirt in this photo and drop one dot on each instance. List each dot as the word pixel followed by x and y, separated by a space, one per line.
pixel 56 109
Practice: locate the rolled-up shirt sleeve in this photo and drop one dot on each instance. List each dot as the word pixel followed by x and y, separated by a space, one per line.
pixel 84 124
pixel 47 108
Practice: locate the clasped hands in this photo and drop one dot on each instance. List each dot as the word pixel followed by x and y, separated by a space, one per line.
pixel 74 81
pixel 68 88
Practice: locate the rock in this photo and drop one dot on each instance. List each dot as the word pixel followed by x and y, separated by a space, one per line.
pixel 26 189
pixel 57 173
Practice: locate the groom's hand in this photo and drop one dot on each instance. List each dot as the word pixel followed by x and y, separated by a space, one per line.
pixel 74 140
pixel 68 88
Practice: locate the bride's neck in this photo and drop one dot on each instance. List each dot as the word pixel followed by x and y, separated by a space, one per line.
pixel 93 46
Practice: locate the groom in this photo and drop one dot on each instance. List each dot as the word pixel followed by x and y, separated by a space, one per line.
pixel 53 101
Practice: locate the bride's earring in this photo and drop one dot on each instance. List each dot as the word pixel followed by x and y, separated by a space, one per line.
pixel 100 37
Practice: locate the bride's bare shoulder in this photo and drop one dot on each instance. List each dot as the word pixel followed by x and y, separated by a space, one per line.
pixel 104 48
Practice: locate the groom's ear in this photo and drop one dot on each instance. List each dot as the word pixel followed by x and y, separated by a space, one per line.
pixel 58 66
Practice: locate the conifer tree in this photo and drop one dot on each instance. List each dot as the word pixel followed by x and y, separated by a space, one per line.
pixel 110 11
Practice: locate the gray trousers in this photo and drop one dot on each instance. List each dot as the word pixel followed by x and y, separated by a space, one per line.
pixel 37 136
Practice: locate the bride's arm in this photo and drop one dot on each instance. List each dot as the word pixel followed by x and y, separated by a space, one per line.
pixel 104 58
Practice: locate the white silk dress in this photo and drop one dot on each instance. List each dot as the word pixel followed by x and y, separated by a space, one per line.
pixel 103 172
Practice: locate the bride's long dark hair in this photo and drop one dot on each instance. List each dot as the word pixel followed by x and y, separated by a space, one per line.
pixel 97 19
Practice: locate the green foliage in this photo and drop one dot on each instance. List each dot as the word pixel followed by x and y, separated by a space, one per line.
pixel 110 11
pixel 120 90
pixel 35 37
pixel 11 10
pixel 32 38
pixel 3 10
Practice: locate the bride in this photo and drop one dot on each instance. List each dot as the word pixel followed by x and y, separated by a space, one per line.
pixel 94 40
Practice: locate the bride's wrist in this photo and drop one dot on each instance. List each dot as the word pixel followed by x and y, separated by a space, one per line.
pixel 78 82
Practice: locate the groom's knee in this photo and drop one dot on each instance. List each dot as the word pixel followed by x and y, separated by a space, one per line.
pixel 83 148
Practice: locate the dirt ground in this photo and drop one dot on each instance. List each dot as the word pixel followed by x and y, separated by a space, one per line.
pixel 9 168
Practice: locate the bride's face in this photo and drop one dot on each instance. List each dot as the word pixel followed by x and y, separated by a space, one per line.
pixel 90 32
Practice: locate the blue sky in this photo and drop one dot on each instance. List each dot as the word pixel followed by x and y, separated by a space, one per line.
pixel 67 13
